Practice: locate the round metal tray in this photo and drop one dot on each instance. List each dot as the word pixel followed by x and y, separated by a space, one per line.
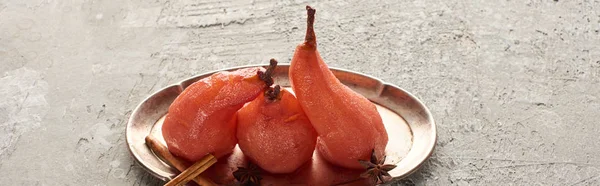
pixel 410 126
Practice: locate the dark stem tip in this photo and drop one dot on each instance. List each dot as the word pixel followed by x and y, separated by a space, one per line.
pixel 272 63
pixel 310 10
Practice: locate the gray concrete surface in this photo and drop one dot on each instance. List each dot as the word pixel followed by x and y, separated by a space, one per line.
pixel 512 84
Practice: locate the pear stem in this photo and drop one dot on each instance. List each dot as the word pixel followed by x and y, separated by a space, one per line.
pixel 267 75
pixel 310 38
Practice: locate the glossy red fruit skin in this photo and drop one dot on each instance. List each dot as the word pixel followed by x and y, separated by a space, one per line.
pixel 348 124
pixel 202 119
pixel 276 135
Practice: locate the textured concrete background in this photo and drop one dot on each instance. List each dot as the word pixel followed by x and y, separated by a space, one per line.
pixel 512 84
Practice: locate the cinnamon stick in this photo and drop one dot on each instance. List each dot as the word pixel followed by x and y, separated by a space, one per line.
pixel 193 171
pixel 162 151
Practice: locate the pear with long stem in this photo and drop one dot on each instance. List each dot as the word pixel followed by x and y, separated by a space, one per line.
pixel 348 124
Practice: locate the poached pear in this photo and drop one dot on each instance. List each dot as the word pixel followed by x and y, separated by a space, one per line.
pixel 348 124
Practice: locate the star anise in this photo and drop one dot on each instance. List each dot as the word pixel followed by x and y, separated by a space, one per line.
pixel 376 169
pixel 248 176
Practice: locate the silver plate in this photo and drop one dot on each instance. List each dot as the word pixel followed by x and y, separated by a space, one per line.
pixel 410 126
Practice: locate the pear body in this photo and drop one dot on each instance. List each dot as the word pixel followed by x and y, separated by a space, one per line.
pixel 348 124
pixel 276 135
pixel 202 119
